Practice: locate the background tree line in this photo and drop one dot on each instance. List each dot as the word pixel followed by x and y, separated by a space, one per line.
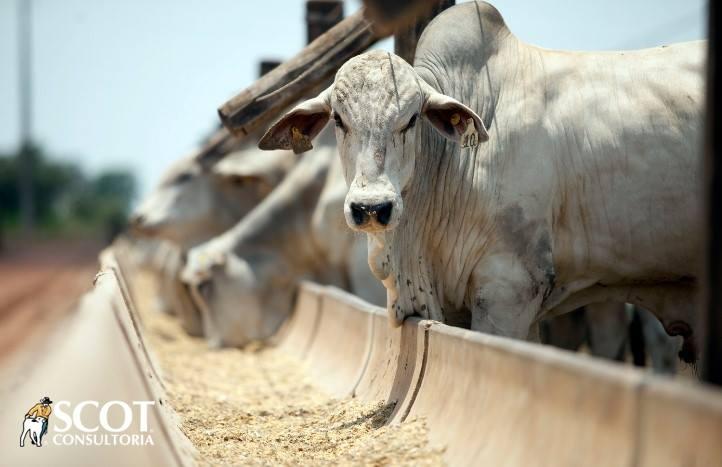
pixel 67 200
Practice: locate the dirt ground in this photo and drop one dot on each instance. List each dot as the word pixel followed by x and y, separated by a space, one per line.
pixel 39 282
pixel 257 406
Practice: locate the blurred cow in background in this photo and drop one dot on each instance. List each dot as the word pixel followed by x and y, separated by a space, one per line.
pixel 612 331
pixel 204 196
pixel 200 198
pixel 245 280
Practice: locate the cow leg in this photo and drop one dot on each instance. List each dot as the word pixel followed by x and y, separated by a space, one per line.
pixel 661 347
pixel 674 306
pixel 636 340
pixel 506 299
pixel 23 434
pixel 607 325
pixel 568 331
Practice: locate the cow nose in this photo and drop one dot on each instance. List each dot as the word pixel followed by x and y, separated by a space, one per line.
pixel 382 212
pixel 359 213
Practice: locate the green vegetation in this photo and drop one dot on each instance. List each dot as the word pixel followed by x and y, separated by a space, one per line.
pixel 67 201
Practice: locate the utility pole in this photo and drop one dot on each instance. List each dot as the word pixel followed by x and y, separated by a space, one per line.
pixel 25 155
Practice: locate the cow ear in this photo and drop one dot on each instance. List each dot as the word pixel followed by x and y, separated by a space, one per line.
pixel 454 120
pixel 297 128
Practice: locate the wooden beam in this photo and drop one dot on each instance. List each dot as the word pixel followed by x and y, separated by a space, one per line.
pixel 406 38
pixel 313 66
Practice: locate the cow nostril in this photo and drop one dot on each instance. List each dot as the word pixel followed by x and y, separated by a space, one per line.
pixel 383 212
pixel 358 212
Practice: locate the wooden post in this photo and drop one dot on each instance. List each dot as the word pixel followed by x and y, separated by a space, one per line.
pixel 322 15
pixel 267 65
pixel 712 303
pixel 406 38
pixel 397 15
pixel 260 103
pixel 27 153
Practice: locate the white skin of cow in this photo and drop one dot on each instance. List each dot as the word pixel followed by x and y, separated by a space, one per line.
pixel 582 188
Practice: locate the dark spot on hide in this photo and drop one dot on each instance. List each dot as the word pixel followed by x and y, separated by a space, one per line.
pixel 531 240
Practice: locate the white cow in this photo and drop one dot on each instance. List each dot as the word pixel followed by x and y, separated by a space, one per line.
pixel 32 426
pixel 571 179
pixel 246 278
pixel 199 198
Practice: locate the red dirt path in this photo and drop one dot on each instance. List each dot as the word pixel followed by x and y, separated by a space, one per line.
pixel 39 283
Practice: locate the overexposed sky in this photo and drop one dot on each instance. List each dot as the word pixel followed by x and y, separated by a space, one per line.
pixel 136 83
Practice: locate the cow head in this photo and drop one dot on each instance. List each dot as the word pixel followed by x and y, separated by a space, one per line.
pixel 376 101
pixel 242 299
pixel 199 200
pixel 245 279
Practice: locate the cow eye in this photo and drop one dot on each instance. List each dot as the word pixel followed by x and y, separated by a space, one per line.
pixel 411 124
pixel 183 178
pixel 339 122
pixel 238 181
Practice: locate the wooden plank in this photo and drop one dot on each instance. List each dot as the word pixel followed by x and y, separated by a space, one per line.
pixel 313 66
pixel 321 15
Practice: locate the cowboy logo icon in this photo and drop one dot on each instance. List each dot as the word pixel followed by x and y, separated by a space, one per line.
pixel 36 422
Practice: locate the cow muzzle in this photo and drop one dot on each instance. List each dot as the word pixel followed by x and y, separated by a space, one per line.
pixel 374 216
pixel 373 207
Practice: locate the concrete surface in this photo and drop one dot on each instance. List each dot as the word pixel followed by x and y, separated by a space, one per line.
pixel 488 400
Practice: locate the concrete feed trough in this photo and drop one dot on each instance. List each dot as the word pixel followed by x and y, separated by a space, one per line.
pixel 486 400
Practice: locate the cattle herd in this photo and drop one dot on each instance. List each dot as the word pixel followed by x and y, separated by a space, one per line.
pixel 494 185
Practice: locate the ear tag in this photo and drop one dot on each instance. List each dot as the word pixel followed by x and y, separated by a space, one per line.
pixel 455 119
pixel 470 138
pixel 299 142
